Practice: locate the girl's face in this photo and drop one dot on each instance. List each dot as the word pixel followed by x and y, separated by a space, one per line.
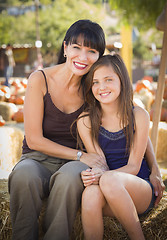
pixel 79 57
pixel 106 86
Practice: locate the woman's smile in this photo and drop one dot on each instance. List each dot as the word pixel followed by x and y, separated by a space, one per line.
pixel 79 65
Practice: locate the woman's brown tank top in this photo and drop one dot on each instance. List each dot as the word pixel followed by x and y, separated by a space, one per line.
pixel 56 124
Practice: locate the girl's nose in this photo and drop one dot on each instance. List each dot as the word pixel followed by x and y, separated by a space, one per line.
pixel 102 86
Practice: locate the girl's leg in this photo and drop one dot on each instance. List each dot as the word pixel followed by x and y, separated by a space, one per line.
pixel 92 215
pixel 127 195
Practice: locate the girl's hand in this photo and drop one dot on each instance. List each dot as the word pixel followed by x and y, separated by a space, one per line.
pixel 158 185
pixel 91 176
pixel 87 177
pixel 97 174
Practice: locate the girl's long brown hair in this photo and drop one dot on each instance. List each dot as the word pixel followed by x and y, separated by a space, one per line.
pixel 126 98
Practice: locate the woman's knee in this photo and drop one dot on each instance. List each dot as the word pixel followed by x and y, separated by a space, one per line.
pixel 24 174
pixel 69 176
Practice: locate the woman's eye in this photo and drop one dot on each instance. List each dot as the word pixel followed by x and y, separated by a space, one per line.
pixel 95 82
pixel 109 80
pixel 76 47
pixel 92 51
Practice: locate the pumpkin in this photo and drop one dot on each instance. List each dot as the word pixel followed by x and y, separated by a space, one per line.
pixel 149 78
pixel 2 121
pixel 24 82
pixel 12 99
pixel 2 95
pixel 143 84
pixel 19 100
pixel 19 116
pixel 165 92
pixel 163 117
pixel 5 89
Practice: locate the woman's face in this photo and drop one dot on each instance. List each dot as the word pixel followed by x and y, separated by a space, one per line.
pixel 106 86
pixel 80 58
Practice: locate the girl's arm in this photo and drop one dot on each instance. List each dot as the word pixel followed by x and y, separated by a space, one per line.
pixel 90 176
pixel 155 176
pixel 33 118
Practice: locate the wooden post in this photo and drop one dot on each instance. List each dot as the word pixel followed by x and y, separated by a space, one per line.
pixel 160 87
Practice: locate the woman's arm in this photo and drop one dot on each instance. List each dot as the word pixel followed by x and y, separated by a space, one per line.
pixel 33 118
pixel 155 176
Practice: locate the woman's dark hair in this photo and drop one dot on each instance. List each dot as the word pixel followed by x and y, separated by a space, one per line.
pixel 92 33
pixel 94 110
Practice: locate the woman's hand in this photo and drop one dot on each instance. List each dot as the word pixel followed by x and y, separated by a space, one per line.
pixel 94 160
pixel 91 176
pixel 159 187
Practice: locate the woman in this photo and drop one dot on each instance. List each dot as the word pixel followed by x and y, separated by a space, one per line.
pixel 114 128
pixel 54 99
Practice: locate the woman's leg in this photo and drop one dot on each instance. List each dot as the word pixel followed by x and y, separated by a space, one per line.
pixel 66 189
pixel 127 195
pixel 92 212
pixel 28 184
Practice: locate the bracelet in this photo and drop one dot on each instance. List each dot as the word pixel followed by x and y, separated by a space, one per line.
pixel 79 154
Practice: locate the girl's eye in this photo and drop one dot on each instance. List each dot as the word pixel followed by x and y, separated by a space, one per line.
pixel 109 80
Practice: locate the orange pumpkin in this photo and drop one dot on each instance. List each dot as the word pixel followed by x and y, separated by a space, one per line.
pixel 165 92
pixel 5 89
pixel 24 82
pixel 2 121
pixel 19 100
pixel 163 117
pixel 149 78
pixel 12 99
pixel 19 116
pixel 143 84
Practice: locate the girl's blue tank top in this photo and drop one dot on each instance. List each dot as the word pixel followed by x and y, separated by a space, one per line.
pixel 113 145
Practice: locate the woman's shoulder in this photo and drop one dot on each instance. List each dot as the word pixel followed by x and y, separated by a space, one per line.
pixel 36 79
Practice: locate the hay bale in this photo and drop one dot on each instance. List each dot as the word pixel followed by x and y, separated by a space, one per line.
pixel 7 110
pixel 154 224
pixel 162 141
pixel 10 147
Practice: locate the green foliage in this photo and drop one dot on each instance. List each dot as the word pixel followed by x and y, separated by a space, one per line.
pixel 141 13
pixel 54 19
pixel 140 50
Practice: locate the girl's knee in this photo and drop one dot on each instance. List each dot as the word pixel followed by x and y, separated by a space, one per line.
pixel 110 181
pixel 92 197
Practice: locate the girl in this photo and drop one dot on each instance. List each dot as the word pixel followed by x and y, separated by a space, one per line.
pixel 114 128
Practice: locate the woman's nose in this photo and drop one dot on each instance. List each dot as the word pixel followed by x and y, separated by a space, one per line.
pixel 83 56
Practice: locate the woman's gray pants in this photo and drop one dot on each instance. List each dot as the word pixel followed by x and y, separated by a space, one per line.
pixel 36 177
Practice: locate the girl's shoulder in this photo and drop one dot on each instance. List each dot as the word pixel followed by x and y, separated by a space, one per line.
pixel 140 114
pixel 84 119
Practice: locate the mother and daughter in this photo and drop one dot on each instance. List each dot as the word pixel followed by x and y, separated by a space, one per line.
pixel 51 165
